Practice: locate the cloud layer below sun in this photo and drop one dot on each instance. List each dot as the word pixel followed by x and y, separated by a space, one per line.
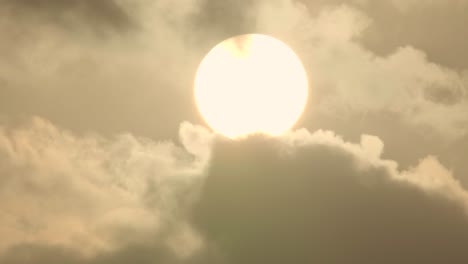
pixel 211 199
pixel 90 193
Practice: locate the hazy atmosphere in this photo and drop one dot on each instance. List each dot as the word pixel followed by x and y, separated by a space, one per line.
pixel 105 158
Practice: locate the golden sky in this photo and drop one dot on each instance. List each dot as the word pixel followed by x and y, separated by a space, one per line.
pixel 104 157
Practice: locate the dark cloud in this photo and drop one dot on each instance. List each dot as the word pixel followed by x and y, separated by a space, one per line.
pixel 96 65
pixel 97 15
pixel 264 204
pixel 218 20
pixel 450 96
pixel 436 27
pixel 33 253
pixel 298 198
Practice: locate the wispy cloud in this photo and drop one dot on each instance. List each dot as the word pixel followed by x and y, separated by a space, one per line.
pixel 93 194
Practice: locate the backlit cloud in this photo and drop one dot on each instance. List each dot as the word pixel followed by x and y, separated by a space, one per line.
pixel 303 196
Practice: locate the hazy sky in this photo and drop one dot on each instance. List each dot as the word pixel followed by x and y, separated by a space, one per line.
pixel 105 159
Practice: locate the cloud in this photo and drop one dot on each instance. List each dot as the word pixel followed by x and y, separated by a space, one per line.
pixel 93 195
pixel 101 14
pixel 347 79
pixel 316 198
pixel 213 22
pixel 53 56
pixel 70 53
pixel 79 197
pixel 143 254
pixel 303 196
pixel 405 6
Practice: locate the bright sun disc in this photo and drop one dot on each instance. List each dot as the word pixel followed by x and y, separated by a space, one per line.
pixel 251 84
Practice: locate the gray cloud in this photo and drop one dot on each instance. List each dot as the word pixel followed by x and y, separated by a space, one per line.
pixel 219 20
pixel 315 198
pixel 406 6
pixel 109 82
pixel 436 27
pixel 91 199
pixel 144 254
pixel 95 14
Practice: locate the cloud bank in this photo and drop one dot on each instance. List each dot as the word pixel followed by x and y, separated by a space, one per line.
pixel 91 194
pixel 301 197
pixel 314 198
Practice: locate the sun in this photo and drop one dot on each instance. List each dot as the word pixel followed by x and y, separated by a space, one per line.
pixel 251 84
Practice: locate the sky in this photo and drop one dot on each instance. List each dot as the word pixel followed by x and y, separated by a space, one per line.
pixel 105 159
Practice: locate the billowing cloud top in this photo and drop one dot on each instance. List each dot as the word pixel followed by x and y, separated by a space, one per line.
pixel 301 197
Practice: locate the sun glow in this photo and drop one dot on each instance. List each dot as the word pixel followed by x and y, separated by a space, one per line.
pixel 251 84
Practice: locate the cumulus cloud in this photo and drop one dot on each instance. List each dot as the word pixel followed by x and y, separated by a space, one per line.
pixel 316 198
pixel 303 196
pixel 91 194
